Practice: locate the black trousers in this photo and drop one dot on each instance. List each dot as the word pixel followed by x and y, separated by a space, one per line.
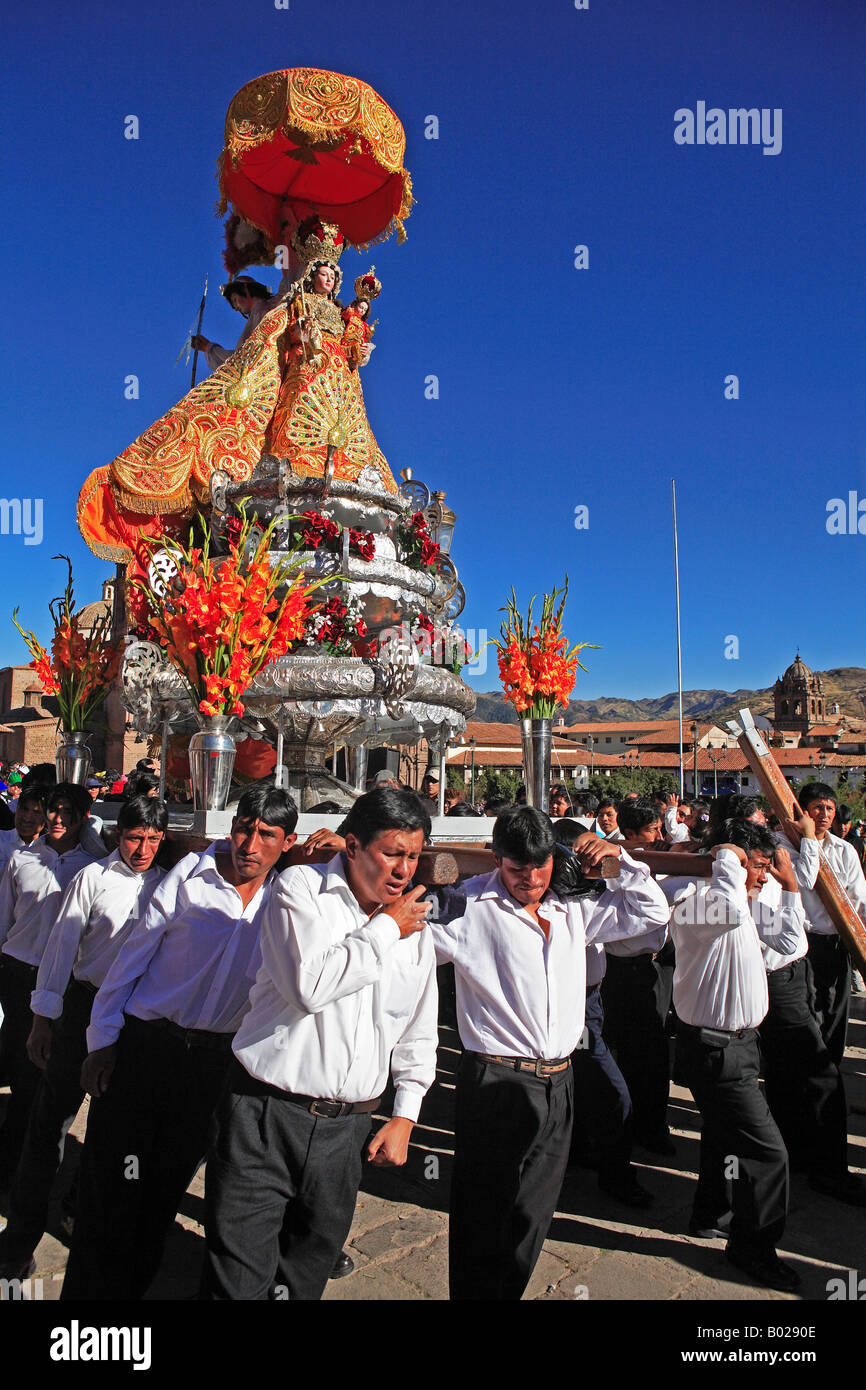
pixel 636 994
pixel 55 1106
pixel 602 1105
pixel 830 964
pixel 17 982
pixel 280 1192
pixel 744 1163
pixel 804 1087
pixel 512 1136
pixel 145 1138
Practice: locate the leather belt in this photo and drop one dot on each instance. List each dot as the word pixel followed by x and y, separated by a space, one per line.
pixel 192 1037
pixel 539 1066
pixel 331 1109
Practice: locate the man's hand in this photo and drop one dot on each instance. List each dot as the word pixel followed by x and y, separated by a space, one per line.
pixel 803 828
pixel 389 1146
pixel 409 912
pixel 783 871
pixel 672 800
pixel 97 1069
pixel 323 839
pixel 735 849
pixel 39 1041
pixel 590 850
pixel 199 343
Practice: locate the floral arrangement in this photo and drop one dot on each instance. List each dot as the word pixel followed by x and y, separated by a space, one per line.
pixel 440 645
pixel 311 530
pixel 338 626
pixel 220 620
pixel 536 668
pixel 418 550
pixel 82 667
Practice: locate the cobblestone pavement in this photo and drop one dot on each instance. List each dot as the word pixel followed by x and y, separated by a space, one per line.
pixel 597 1249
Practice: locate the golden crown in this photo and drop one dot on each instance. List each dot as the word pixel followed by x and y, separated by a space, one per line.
pixel 367 286
pixel 314 240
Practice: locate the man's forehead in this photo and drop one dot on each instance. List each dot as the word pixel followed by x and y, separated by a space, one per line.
pixel 399 838
pixel 525 863
pixel 247 823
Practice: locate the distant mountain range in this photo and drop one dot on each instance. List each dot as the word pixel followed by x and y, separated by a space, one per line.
pixel 845 684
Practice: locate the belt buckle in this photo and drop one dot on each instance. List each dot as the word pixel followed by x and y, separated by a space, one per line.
pixel 539 1063
pixel 330 1109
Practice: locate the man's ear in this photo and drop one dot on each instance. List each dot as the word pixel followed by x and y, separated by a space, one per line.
pixel 290 840
pixel 353 844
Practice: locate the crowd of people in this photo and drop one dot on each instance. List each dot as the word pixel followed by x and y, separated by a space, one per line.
pixel 227 1006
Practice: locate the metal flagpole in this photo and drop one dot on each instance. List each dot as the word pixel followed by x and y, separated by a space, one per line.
pixel 679 642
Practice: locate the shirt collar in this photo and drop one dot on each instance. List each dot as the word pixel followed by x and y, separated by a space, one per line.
pixel 116 863
pixel 551 902
pixel 335 880
pixel 207 863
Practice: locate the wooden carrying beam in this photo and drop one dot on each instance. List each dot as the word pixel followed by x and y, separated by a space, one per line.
pixel 843 914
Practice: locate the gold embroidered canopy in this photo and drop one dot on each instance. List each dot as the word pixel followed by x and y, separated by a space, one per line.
pixel 304 140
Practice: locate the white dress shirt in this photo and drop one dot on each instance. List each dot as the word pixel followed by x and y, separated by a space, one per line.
pixel 596 963
pixel 845 864
pixel 99 909
pixel 521 993
pixel 720 980
pixel 191 958
pixel 340 996
pixel 10 840
pixel 30 892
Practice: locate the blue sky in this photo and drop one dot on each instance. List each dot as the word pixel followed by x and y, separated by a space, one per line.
pixel 558 387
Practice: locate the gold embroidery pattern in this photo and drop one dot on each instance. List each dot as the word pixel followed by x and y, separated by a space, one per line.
pixel 318 408
pixel 200 434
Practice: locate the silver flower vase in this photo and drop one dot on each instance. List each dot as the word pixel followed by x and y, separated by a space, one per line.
pixel 537 738
pixel 211 761
pixel 73 758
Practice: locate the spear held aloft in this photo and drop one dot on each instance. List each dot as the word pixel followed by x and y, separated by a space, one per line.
pixel 198 331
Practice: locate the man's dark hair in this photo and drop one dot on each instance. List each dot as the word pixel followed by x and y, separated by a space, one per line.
pixel 604 802
pixel 144 765
pixel 78 797
pixel 559 789
pixel 523 835
pixel 43 775
pixel 585 802
pixel 745 834
pixel 139 784
pixel 35 796
pixel 732 806
pixel 462 808
pixel 634 816
pixel 495 805
pixel 142 812
pixel 566 831
pixel 815 791
pixel 270 804
pixel 844 812
pixel 385 808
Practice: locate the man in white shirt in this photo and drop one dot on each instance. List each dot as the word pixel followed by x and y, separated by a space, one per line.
pixel 30 892
pixel 720 995
pixel 829 961
pixel 160 1038
pixel 519 955
pixel 346 993
pixel 98 911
